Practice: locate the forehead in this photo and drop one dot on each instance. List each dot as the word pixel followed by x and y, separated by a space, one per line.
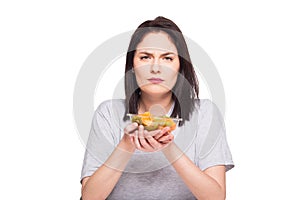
pixel 157 41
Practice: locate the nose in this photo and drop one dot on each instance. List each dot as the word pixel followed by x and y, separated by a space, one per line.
pixel 155 66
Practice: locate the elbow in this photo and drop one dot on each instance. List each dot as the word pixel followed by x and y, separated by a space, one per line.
pixel 221 195
pixel 90 196
pixel 87 197
pixel 213 198
pixel 86 194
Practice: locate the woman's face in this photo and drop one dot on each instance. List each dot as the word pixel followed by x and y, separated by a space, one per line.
pixel 156 64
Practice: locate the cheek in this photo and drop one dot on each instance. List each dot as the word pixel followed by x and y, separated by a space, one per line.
pixel 171 68
pixel 140 76
pixel 174 74
pixel 173 79
pixel 170 72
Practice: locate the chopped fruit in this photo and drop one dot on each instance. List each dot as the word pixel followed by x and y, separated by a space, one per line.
pixel 152 122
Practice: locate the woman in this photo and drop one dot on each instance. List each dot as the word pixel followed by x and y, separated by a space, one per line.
pixel 125 161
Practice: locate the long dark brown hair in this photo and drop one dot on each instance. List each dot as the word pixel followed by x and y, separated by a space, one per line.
pixel 186 89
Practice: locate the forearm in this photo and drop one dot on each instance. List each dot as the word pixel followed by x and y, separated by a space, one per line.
pixel 102 182
pixel 201 184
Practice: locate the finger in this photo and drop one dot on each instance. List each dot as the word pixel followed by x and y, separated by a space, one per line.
pixel 166 138
pixel 164 131
pixel 156 133
pixel 157 137
pixel 130 128
pixel 136 140
pixel 132 138
pixel 142 139
pixel 153 142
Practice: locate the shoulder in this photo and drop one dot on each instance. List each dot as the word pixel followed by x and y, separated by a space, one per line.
pixel 203 105
pixel 110 105
pixel 206 108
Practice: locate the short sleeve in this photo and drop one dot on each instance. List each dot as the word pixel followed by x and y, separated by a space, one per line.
pixel 100 143
pixel 212 145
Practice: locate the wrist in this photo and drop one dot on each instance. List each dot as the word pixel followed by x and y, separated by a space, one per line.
pixel 172 152
pixel 121 155
pixel 126 144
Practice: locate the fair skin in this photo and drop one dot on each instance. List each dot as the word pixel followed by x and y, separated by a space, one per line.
pixel 156 66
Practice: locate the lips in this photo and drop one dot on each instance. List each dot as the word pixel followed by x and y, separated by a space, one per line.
pixel 155 80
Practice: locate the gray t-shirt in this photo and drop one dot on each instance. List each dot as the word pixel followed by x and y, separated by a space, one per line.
pixel 150 175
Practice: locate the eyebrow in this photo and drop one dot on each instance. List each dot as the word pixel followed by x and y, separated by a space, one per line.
pixel 148 53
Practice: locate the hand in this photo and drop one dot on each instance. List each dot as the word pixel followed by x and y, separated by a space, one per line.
pixel 151 141
pixel 129 133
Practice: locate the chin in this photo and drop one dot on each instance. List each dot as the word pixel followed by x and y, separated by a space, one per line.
pixel 155 89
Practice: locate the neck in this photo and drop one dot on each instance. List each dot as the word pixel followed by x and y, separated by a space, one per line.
pixel 146 101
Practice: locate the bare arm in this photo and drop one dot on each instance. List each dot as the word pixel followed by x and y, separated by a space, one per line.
pixel 207 184
pixel 101 183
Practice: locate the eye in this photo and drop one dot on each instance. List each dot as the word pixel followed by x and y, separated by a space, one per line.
pixel 168 58
pixel 144 57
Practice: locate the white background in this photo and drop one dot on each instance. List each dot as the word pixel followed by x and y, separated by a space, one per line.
pixel 255 46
